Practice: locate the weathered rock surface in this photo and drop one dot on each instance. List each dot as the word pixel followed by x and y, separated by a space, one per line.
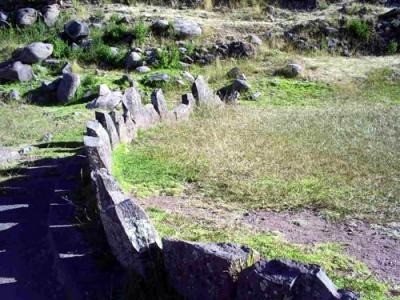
pixel 143 69
pixel 107 99
pixel 26 16
pixel 157 79
pixel 290 71
pixel 203 94
pixel 35 52
pixel 185 29
pixel 241 49
pixel 98 152
pixel 76 30
pixel 130 234
pixel 50 14
pixel 160 105
pixel 126 128
pixel 67 87
pixel 160 27
pixel 107 122
pixel 16 71
pixel 8 155
pixel 281 279
pixel 205 270
pixel 133 60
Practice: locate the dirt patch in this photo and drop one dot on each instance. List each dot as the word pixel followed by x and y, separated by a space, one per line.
pixel 376 246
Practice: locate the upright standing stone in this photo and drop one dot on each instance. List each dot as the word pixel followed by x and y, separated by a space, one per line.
pixel 160 105
pixel 203 94
pixel 126 128
pixel 67 87
pixel 98 153
pixel 107 122
pixel 130 234
pixel 95 129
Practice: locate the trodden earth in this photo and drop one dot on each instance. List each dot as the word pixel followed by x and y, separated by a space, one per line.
pixel 299 159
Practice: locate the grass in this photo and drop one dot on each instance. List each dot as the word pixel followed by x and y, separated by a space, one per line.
pixel 341 158
pixel 359 28
pixel 343 270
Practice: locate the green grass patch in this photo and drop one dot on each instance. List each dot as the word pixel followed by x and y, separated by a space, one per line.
pixel 359 28
pixel 145 171
pixel 344 271
pixel 290 92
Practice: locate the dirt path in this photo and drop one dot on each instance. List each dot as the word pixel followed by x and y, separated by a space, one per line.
pixel 379 250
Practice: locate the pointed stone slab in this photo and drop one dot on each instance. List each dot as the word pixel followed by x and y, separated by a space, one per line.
pixel 130 234
pixel 126 128
pixel 108 124
pixel 203 94
pixel 160 105
pixel 98 153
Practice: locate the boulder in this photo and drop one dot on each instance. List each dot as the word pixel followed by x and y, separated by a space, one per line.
pixel 254 39
pixel 203 94
pixel 50 14
pixel 26 16
pixel 234 73
pixel 290 71
pixel 284 279
pixel 160 27
pixel 205 270
pixel 76 30
pixel 187 76
pixel 35 52
pixel 132 100
pixel 16 71
pixel 98 152
pixel 8 155
pixel 107 99
pixel 133 60
pixel 107 122
pixel 239 49
pixel 185 29
pixel 67 87
pixel 129 231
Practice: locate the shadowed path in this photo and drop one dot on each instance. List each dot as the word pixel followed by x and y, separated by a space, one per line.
pixel 46 251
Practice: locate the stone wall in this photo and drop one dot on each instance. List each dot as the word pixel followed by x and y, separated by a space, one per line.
pixel 191 270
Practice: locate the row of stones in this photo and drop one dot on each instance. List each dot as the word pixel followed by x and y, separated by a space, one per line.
pixel 192 270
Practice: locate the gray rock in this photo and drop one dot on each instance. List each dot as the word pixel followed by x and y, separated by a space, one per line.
pixel 98 153
pixel 8 155
pixel 26 16
pixel 107 99
pixel 132 100
pixel 187 76
pixel 182 112
pixel 126 128
pixel 254 96
pixel 14 95
pixel 3 20
pixel 254 39
pixel 35 52
pixel 185 29
pixel 278 279
pixel 203 94
pixel 143 69
pixel 241 85
pixel 160 27
pixel 159 103
pixel 290 71
pixel 95 129
pixel 106 121
pixel 16 71
pixel 130 234
pixel 205 270
pixel 234 73
pixel 240 49
pixel 76 30
pixel 133 60
pixel 50 14
pixel 157 79
pixel 189 100
pixel 67 87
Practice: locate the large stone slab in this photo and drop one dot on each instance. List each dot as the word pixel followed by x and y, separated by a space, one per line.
pixel 95 129
pixel 35 52
pixel 107 122
pixel 284 279
pixel 98 153
pixel 203 94
pixel 130 234
pixel 126 128
pixel 67 87
pixel 160 105
pixel 132 100
pixel 205 270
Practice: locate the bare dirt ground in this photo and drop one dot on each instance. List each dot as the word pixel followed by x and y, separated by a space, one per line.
pixel 378 247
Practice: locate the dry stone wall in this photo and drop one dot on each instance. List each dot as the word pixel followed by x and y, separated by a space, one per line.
pixel 191 270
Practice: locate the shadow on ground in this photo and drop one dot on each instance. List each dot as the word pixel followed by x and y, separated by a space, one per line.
pixel 51 246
